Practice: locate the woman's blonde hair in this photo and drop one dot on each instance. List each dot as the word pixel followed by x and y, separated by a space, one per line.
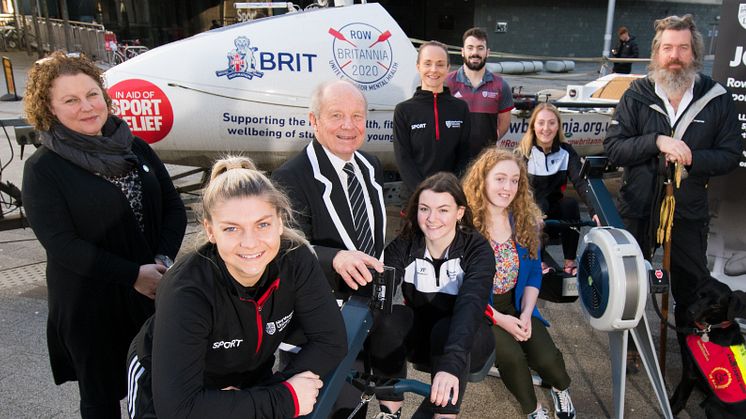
pixel 438 44
pixel 529 138
pixel 37 100
pixel 526 214
pixel 237 177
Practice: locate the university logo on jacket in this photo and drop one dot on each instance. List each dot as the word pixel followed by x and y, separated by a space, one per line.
pixel 421 273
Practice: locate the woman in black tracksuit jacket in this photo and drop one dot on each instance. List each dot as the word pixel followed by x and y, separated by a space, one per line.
pixel 223 310
pixel 446 269
pixel 551 162
pixel 431 129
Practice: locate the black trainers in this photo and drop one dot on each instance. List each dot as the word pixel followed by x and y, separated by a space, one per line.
pixel 539 413
pixel 563 407
pixel 386 414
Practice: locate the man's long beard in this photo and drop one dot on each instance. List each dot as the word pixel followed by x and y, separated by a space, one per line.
pixel 474 67
pixel 673 82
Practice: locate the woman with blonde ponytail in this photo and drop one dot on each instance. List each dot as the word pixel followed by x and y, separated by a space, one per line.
pixel 223 310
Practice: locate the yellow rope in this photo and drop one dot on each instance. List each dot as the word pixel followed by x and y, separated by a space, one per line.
pixel 664 227
pixel 663 234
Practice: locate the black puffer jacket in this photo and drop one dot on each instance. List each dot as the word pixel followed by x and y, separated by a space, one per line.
pixel 625 49
pixel 708 126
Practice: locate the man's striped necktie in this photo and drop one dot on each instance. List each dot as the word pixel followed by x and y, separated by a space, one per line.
pixel 359 213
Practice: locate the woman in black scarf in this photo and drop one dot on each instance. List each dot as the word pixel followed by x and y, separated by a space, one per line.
pixel 103 206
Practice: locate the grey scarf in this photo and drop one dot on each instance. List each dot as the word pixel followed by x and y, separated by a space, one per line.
pixel 109 154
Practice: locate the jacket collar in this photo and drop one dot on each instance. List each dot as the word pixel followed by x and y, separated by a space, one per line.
pixel 555 147
pixel 643 90
pixel 461 77
pixel 705 89
pixel 335 200
pixel 426 94
pixel 418 248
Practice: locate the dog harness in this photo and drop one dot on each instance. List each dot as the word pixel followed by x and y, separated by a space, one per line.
pixel 724 367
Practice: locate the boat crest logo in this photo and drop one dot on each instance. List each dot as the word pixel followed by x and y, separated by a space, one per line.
pixel 241 61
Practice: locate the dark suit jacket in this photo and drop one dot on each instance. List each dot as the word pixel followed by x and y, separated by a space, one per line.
pixel 323 213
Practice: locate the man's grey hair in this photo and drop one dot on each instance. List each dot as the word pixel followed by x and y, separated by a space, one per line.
pixel 317 96
pixel 677 23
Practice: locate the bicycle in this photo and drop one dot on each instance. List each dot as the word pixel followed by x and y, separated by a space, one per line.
pixel 126 50
pixel 9 35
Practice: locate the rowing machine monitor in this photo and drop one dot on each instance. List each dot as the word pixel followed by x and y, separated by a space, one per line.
pixel 384 286
pixel 658 279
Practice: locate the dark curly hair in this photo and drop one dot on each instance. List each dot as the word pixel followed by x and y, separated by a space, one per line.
pixel 36 102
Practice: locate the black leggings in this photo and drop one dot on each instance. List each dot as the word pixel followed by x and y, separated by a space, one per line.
pixel 425 343
pixel 564 209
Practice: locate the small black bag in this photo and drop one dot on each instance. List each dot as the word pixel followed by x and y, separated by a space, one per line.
pixel 551 288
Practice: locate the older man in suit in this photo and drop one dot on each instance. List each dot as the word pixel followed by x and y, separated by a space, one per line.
pixel 317 181
pixel 337 191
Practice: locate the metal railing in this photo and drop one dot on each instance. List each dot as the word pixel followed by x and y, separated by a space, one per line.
pixel 87 38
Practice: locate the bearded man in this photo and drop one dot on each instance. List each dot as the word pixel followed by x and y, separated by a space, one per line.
pixel 489 97
pixel 674 115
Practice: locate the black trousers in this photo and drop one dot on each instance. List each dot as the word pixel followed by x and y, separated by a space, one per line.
pixel 139 387
pixel 564 209
pixel 688 257
pixel 688 264
pixel 425 344
pixel 639 228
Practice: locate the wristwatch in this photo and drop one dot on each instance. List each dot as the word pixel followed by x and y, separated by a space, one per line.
pixel 167 262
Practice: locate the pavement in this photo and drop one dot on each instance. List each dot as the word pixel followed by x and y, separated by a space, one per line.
pixel 27 389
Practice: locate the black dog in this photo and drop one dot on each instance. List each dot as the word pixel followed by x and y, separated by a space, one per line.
pixel 716 306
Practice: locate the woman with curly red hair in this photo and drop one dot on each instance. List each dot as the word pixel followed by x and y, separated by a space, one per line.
pixel 497 190
pixel 102 204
